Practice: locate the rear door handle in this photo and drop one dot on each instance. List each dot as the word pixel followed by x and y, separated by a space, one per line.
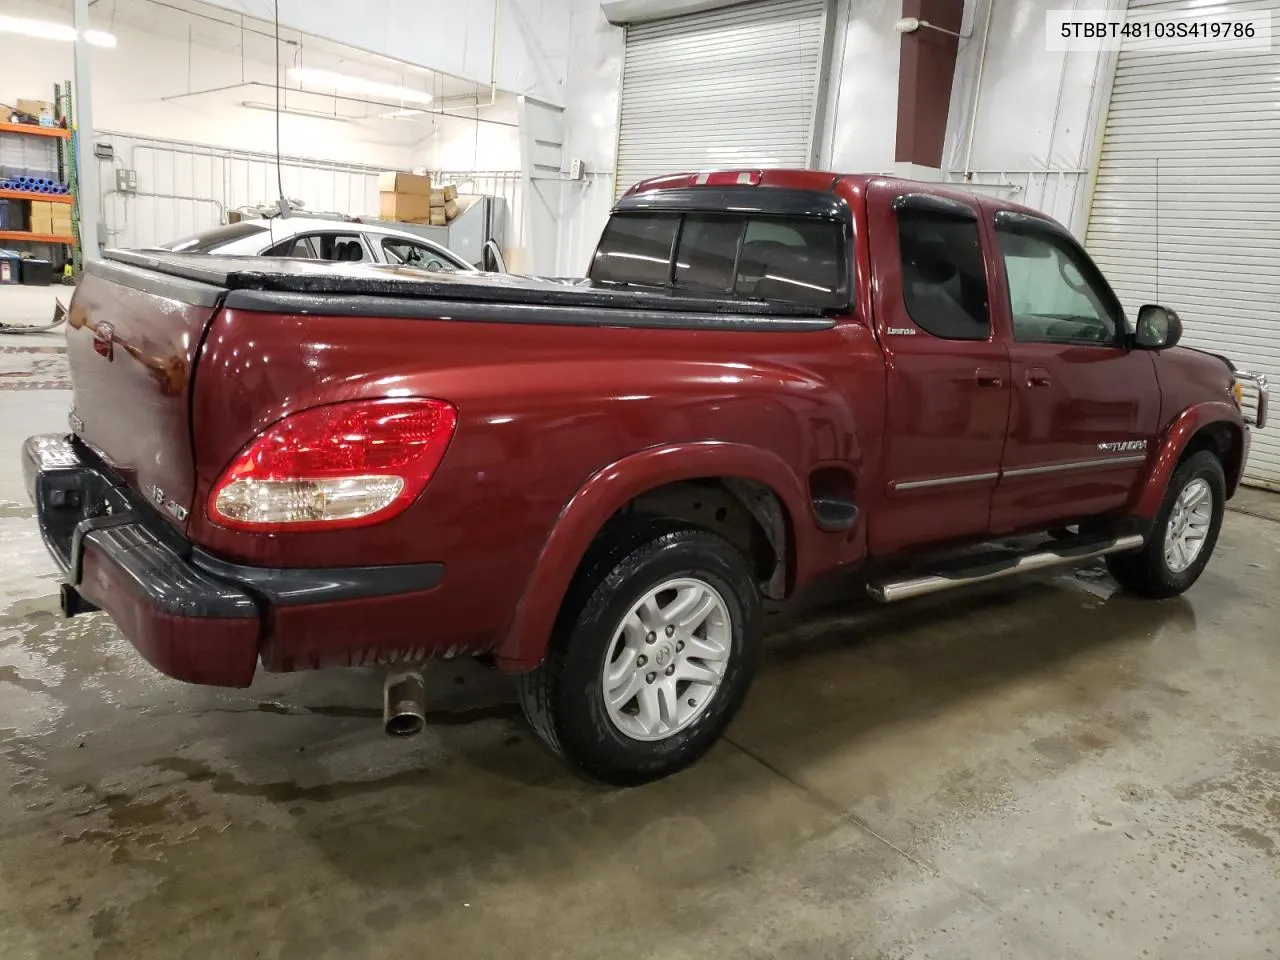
pixel 988 377
pixel 1038 377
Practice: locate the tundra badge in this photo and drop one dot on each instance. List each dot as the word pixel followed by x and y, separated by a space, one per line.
pixel 1122 446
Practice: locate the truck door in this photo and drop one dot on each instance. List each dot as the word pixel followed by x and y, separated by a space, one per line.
pixel 1086 408
pixel 947 369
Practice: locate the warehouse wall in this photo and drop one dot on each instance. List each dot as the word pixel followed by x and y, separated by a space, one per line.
pixel 462 143
pixel 457 38
pixel 857 134
pixel 1038 113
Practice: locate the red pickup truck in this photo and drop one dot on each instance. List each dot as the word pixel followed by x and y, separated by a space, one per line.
pixel 766 377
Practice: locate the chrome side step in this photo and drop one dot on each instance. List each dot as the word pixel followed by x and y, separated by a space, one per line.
pixel 1061 554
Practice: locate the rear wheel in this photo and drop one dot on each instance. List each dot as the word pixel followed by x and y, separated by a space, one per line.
pixel 1183 535
pixel 651 658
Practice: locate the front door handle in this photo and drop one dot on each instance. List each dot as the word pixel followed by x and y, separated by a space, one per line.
pixel 1038 377
pixel 988 377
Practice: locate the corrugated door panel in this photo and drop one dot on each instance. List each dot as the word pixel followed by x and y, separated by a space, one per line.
pixel 727 88
pixel 1186 209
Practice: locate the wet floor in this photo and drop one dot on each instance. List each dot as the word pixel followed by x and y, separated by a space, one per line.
pixel 1045 768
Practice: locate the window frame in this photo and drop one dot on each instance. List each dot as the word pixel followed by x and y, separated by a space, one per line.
pixel 436 251
pixel 944 208
pixel 293 242
pixel 1012 221
pixel 369 256
pixel 844 247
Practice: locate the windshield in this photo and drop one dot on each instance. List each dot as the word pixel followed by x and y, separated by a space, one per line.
pixel 211 240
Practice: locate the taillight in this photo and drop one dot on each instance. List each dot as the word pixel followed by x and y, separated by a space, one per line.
pixel 341 465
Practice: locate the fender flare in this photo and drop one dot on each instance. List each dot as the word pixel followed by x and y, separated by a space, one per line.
pixel 1185 426
pixel 609 489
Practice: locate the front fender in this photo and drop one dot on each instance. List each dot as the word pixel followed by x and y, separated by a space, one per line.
pixel 1185 426
pixel 610 489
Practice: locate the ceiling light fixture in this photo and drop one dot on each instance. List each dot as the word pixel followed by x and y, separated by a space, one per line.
pixel 912 24
pixel 327 79
pixel 48 30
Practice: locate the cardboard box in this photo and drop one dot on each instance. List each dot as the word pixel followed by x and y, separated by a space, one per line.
pixel 394 182
pixel 450 192
pixel 438 217
pixel 437 198
pixel 43 210
pixel 450 209
pixel 407 207
pixel 37 108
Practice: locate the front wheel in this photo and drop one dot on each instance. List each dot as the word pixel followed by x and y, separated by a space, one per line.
pixel 651 658
pixel 1183 535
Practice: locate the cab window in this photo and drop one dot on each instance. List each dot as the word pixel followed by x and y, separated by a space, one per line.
pixel 794 260
pixel 410 254
pixel 294 247
pixel 1056 294
pixel 944 281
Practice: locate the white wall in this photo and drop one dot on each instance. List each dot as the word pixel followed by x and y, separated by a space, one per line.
pixel 446 35
pixel 186 188
pixel 862 101
pixel 590 132
pixel 458 143
pixel 1038 113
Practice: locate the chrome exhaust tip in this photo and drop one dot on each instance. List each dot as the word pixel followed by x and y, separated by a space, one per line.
pixel 404 705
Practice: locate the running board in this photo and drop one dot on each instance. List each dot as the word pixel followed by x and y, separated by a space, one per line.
pixel 1061 554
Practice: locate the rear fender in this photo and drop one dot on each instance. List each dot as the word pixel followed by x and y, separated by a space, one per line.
pixel 612 488
pixel 1184 427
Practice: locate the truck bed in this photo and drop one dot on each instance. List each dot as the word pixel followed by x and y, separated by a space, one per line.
pixel 312 286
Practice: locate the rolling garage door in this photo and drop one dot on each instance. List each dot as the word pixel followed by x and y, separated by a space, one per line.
pixel 728 88
pixel 1186 210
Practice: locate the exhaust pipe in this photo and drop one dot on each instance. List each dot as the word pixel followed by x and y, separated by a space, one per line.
pixel 404 705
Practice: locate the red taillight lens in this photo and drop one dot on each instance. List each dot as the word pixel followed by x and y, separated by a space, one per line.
pixel 347 464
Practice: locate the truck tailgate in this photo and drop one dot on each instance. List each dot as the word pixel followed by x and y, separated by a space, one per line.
pixel 132 338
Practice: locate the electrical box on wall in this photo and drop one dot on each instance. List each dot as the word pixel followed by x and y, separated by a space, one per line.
pixel 577 169
pixel 104 151
pixel 127 181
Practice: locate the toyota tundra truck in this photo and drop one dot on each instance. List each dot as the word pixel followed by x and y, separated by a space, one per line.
pixel 767 376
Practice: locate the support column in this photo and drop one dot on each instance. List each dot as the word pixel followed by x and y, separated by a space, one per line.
pixel 926 67
pixel 86 166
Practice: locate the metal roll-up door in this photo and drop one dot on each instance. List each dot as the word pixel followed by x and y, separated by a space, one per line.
pixel 724 89
pixel 1186 208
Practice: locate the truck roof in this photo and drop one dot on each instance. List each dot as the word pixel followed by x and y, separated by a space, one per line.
pixel 825 181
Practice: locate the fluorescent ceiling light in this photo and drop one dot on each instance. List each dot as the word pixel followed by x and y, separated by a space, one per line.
pixel 295 111
pixel 48 30
pixel 307 76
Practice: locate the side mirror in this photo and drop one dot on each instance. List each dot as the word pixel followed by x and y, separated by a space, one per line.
pixel 1158 328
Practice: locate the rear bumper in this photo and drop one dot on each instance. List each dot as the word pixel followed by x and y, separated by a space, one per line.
pixel 190 615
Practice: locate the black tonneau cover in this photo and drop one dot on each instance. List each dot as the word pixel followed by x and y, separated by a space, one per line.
pixel 312 278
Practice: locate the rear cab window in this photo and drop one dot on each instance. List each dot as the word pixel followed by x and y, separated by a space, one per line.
pixel 790 259
pixel 212 240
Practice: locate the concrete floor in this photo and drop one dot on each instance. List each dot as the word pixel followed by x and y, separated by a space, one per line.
pixel 1040 769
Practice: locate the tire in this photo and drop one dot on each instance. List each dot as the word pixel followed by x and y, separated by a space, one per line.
pixel 1150 571
pixel 564 698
